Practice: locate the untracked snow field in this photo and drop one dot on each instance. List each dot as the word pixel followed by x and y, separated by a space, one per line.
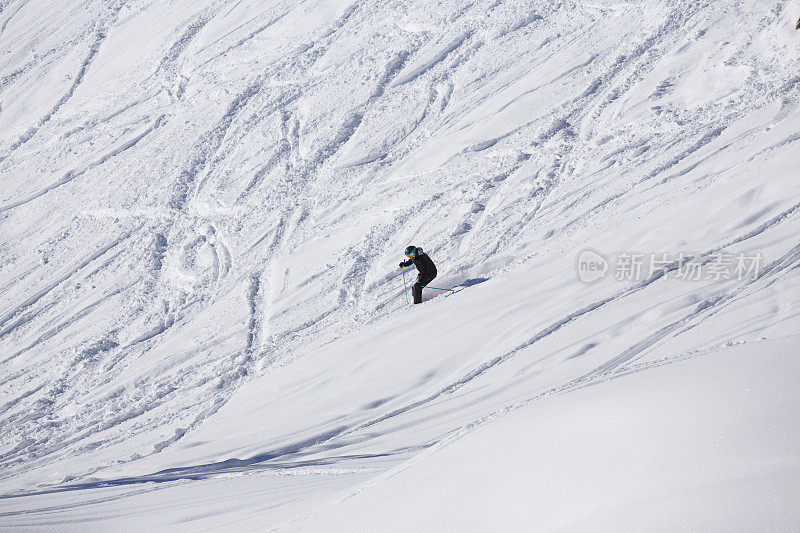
pixel 203 325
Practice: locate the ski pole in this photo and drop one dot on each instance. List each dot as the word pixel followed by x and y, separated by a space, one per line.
pixel 404 283
pixel 438 289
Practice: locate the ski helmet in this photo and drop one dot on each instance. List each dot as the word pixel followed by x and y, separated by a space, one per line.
pixel 413 251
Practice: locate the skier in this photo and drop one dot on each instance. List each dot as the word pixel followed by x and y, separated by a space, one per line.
pixel 426 268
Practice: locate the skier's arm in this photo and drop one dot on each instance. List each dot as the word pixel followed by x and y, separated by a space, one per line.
pixel 406 263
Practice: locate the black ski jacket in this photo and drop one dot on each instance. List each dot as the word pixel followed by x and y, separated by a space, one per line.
pixel 424 264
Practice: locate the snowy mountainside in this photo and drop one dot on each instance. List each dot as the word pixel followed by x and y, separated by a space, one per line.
pixel 203 205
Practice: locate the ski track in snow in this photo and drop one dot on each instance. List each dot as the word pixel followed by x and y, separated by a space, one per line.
pixel 72 174
pixel 110 18
pixel 263 179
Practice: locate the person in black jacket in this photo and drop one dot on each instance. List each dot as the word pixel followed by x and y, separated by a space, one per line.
pixel 426 268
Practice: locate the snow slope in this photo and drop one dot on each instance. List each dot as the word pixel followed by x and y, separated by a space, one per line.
pixel 711 450
pixel 203 205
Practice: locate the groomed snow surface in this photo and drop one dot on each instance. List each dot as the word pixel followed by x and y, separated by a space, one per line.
pixel 202 321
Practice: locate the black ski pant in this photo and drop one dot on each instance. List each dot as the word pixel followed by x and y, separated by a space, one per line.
pixel 416 290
